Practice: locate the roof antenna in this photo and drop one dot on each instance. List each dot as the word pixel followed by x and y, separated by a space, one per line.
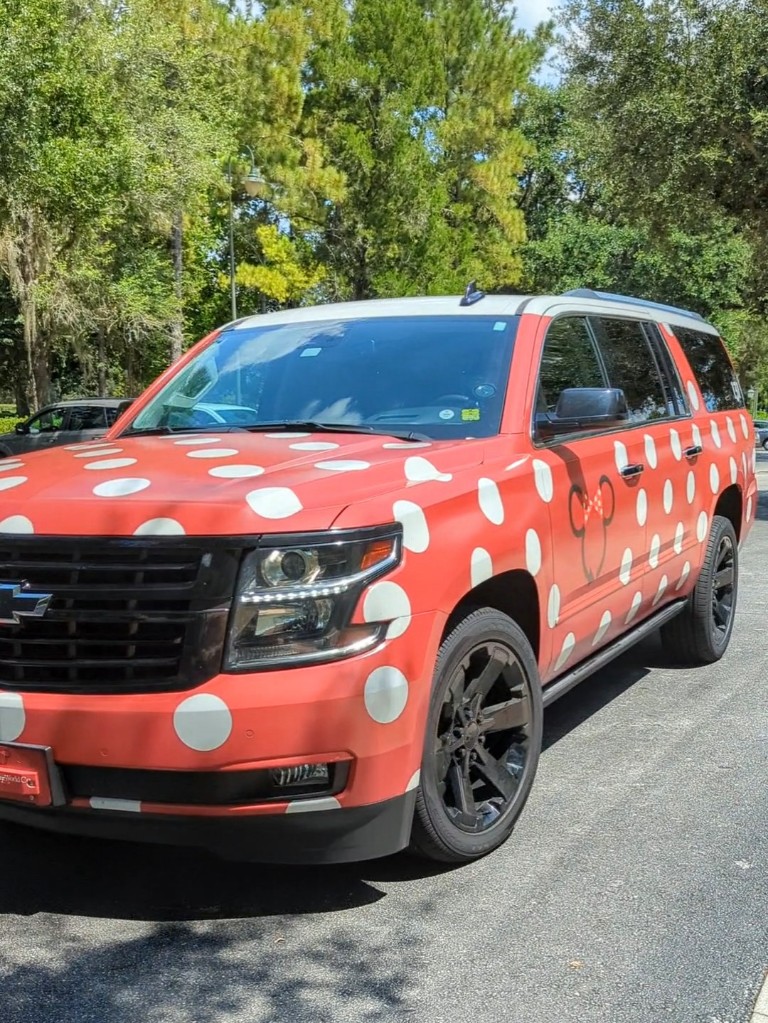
pixel 472 294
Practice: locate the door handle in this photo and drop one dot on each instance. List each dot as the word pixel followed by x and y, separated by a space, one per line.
pixel 693 451
pixel 630 472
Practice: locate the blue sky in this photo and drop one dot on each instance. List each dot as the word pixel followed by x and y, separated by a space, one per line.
pixel 531 12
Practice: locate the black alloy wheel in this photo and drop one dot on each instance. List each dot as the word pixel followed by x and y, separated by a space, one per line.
pixel 483 739
pixel 702 632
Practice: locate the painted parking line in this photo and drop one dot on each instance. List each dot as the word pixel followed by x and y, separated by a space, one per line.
pixel 760 1012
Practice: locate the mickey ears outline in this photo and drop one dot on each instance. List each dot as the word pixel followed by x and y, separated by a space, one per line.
pixel 576 505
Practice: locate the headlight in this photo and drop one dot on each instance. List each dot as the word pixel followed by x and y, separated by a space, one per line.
pixel 294 600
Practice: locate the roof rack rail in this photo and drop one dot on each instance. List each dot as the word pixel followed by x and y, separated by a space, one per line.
pixel 607 296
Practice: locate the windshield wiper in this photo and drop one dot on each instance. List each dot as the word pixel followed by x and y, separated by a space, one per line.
pixel 312 426
pixel 168 431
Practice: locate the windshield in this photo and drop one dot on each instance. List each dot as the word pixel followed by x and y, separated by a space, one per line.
pixel 443 376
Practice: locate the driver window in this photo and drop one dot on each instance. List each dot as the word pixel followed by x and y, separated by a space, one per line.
pixel 50 421
pixel 569 359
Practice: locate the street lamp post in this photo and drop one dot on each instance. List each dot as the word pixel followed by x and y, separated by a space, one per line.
pixel 252 184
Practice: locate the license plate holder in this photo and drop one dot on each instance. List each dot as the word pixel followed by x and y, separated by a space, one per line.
pixel 28 775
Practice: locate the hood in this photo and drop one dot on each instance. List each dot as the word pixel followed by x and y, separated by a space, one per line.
pixel 208 484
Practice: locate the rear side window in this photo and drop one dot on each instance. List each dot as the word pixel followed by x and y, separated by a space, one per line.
pixel 632 366
pixel 712 368
pixel 87 417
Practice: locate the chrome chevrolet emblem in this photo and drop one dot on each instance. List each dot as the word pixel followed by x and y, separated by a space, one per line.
pixel 17 603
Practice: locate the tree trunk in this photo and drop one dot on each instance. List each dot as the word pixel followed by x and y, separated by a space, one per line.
pixel 29 316
pixel 177 326
pixel 21 377
pixel 101 363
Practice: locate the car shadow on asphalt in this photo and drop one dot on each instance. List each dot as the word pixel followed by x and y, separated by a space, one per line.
pixel 118 880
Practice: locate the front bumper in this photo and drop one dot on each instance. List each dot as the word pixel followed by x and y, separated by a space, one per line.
pixel 327 836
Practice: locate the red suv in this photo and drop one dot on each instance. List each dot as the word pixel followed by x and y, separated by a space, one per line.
pixel 330 632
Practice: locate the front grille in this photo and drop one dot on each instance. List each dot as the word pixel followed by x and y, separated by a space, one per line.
pixel 126 616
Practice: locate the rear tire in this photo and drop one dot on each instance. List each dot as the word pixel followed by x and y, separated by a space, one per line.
pixel 483 740
pixel 702 632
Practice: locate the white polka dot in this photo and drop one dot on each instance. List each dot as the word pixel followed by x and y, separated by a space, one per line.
pixel 749 509
pixel 715 434
pixel 203 722
pixel 693 396
pixel 675 445
pixel 625 572
pixel 696 435
pixel 343 465
pixel 690 487
pixel 517 463
pixel 287 436
pixel 731 428
pixel 388 602
pixel 754 461
pixel 413 782
pixel 193 441
pixel 481 566
pixel 684 575
pixel 12 717
pixel 489 499
pixel 532 551
pixel 160 527
pixel 121 488
pixel 565 651
pixel 85 444
pixel 313 805
pixel 213 453
pixel 634 607
pixel 9 482
pixel 386 694
pixel 414 523
pixel 236 472
pixel 274 502
pixel 542 476
pixel 620 454
pixel 669 496
pixel 642 507
pixel 733 468
pixel 653 556
pixel 679 536
pixel 421 470
pixel 16 524
pixel 121 805
pixel 714 478
pixel 98 452
pixel 553 607
pixel 10 465
pixel 402 444
pixel 744 465
pixel 663 583
pixel 111 463
pixel 744 425
pixel 650 451
pixel 313 445
pixel 701 526
pixel 605 624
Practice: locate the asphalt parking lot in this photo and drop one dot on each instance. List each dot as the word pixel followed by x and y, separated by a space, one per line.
pixel 634 888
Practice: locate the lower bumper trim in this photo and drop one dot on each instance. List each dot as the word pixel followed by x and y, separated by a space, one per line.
pixel 328 836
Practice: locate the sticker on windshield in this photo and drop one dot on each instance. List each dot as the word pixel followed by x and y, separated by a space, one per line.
pixel 499 325
pixel 446 413
pixel 470 415
pixel 307 353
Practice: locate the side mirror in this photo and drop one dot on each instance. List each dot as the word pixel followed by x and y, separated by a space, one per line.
pixel 583 408
pixel 22 429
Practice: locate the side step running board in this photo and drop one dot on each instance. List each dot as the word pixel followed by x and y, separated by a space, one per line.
pixel 554 690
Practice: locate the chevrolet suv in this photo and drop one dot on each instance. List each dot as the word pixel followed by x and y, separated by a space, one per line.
pixel 330 632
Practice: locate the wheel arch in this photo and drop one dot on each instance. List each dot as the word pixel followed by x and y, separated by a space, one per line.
pixel 730 505
pixel 514 593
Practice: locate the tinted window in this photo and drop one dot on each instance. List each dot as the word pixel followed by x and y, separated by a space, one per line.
pixel 87 417
pixel 569 359
pixel 712 369
pixel 631 366
pixel 444 376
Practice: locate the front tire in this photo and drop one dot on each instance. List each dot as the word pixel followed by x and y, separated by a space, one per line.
pixel 702 632
pixel 483 740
